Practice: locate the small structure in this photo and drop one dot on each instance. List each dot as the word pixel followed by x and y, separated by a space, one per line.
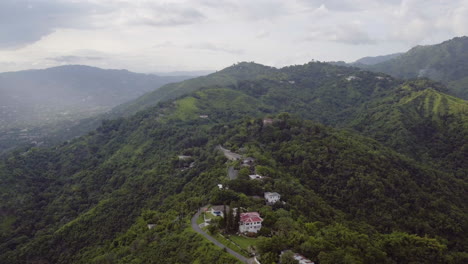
pixel 267 121
pixel 184 157
pixel 351 77
pixel 272 197
pixel 248 161
pixel 220 186
pixel 301 259
pixel 218 210
pixel 250 222
pixel 256 177
pixel 151 226
pixel 204 116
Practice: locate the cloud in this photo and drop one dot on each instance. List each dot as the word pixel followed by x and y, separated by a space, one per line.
pixel 156 14
pixel 74 59
pixel 165 44
pixel 262 34
pixel 23 22
pixel 460 19
pixel 250 10
pixel 346 33
pixel 214 48
pixel 165 15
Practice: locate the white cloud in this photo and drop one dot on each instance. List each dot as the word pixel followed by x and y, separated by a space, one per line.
pixel 351 34
pixel 214 48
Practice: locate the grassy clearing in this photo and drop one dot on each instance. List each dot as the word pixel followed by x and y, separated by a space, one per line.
pixel 186 108
pixel 244 242
pixel 228 243
pixel 200 219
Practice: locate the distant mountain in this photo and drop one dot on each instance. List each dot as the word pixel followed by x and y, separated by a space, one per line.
pixel 34 98
pixel 377 59
pixel 39 96
pixel 184 73
pixel 446 62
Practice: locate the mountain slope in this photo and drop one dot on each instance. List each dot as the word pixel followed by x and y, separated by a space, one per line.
pixel 420 121
pixel 446 62
pixel 376 59
pixel 228 76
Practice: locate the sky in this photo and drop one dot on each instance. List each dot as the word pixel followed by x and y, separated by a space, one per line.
pixel 188 35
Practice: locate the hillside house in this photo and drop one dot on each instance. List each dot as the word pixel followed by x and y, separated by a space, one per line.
pixel 351 77
pixel 267 121
pixel 248 161
pixel 256 177
pixel 250 222
pixel 184 157
pixel 272 197
pixel 301 259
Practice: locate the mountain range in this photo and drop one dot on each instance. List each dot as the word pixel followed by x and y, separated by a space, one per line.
pixel 372 169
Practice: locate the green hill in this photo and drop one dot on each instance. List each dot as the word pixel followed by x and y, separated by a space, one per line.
pixel 420 121
pixel 446 62
pixel 348 197
pixel 228 76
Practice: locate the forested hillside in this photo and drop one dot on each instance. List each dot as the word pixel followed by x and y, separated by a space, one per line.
pixel 349 198
pixel 446 62
pixel 419 120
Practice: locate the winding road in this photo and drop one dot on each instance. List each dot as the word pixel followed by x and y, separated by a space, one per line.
pixel 203 233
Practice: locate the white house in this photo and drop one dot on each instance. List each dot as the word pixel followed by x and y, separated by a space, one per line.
pixel 248 161
pixel 255 177
pixel 250 222
pixel 272 197
pixel 301 259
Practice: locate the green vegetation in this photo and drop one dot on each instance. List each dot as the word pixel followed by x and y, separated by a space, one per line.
pixel 421 122
pixel 350 198
pixel 445 62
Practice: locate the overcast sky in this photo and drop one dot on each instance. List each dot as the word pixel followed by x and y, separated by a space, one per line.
pixel 162 36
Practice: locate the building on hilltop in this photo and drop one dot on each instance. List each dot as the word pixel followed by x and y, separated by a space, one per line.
pixel 272 197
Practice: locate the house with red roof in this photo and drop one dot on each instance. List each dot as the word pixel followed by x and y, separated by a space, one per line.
pixel 250 222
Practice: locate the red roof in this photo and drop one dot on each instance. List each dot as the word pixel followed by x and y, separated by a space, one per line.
pixel 250 217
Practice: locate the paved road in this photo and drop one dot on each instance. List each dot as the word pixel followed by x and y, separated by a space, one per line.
pixel 232 173
pixel 203 233
pixel 229 155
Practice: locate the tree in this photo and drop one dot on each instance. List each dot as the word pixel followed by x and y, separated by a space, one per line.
pixel 237 219
pixel 288 258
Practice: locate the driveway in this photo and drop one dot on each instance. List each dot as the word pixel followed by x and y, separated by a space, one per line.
pixel 212 239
